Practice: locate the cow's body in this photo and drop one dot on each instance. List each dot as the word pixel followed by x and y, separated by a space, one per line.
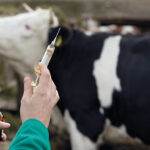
pixel 101 77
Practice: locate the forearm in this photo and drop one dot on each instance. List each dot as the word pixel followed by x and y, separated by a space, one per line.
pixel 32 135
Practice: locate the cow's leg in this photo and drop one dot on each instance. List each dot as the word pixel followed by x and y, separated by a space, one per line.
pixel 78 140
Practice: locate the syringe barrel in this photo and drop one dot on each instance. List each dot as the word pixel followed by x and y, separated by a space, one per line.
pixel 48 55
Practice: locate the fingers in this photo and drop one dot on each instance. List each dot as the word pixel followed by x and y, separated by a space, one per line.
pixel 28 90
pixel 4 125
pixel 45 77
pixel 47 86
pixel 4 137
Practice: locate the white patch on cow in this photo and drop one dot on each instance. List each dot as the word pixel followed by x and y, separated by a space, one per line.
pixel 105 70
pixel 78 140
pixel 128 30
pixel 101 110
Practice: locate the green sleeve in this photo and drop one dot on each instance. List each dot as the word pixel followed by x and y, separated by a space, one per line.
pixel 32 135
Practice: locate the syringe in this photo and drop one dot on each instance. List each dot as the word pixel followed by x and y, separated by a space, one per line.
pixel 45 60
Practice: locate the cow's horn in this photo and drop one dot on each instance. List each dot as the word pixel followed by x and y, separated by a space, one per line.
pixel 27 7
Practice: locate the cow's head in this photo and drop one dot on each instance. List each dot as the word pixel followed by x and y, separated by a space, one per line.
pixel 26 44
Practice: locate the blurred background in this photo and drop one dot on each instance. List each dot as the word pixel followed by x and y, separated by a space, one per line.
pixel 88 15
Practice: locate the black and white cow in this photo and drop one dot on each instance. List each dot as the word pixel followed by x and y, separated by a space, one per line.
pixel 100 77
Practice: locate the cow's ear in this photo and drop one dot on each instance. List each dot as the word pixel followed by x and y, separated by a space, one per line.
pixel 64 36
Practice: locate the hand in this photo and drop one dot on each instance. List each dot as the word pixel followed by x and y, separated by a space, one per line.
pixel 39 105
pixel 4 125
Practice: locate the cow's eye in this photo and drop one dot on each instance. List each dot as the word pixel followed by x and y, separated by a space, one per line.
pixel 27 27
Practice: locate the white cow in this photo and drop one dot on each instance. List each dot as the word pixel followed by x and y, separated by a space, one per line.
pixel 23 38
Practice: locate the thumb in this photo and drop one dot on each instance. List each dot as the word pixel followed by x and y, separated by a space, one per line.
pixel 28 90
pixel 4 125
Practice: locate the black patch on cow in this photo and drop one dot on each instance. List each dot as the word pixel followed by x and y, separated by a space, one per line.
pixel 116 112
